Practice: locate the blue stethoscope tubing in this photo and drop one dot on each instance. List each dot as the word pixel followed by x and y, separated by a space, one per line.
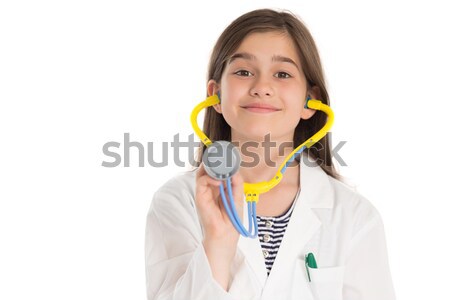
pixel 252 231
pixel 233 215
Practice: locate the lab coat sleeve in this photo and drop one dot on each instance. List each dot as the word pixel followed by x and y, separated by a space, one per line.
pixel 177 267
pixel 367 275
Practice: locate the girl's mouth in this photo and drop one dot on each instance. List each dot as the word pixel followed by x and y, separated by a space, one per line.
pixel 262 108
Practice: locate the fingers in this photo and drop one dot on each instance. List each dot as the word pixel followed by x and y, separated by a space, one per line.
pixel 201 170
pixel 207 182
pixel 212 181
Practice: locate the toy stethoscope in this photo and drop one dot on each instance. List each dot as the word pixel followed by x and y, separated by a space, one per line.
pixel 221 160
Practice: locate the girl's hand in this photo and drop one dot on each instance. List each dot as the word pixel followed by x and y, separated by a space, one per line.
pixel 219 231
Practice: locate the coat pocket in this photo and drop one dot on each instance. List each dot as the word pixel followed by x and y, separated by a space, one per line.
pixel 327 283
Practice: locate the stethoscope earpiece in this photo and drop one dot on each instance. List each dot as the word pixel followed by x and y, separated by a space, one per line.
pixel 306 102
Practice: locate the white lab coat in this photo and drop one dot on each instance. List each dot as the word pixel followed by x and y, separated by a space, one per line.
pixel 340 227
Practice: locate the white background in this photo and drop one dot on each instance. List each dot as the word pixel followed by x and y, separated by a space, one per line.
pixel 77 74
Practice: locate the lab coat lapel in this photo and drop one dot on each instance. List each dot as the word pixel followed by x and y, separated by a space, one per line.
pixel 251 249
pixel 316 192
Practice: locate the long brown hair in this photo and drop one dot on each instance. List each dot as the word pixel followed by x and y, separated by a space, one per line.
pixel 265 20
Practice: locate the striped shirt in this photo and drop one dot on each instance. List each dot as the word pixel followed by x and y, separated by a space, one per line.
pixel 270 233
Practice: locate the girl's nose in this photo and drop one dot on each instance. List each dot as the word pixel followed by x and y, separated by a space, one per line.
pixel 262 89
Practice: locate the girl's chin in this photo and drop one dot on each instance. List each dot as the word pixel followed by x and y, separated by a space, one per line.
pixel 254 133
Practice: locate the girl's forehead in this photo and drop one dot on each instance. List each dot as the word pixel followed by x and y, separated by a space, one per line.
pixel 266 39
pixel 261 45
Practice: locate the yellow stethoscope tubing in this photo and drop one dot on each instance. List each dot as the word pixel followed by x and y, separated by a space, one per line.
pixel 252 190
pixel 210 101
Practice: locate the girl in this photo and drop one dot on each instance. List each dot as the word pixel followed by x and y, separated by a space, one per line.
pixel 265 65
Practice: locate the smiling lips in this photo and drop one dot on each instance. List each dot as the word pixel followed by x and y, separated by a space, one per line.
pixel 260 108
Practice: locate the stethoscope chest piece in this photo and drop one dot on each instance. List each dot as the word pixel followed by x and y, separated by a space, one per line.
pixel 221 160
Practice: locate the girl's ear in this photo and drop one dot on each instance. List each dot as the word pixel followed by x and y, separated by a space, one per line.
pixel 313 93
pixel 213 88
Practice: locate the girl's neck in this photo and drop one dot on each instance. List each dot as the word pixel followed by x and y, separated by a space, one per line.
pixel 260 163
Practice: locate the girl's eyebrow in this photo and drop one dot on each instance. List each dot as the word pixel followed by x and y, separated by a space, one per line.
pixel 275 58
pixel 243 55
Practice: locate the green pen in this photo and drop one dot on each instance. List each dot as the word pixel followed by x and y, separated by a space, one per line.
pixel 310 262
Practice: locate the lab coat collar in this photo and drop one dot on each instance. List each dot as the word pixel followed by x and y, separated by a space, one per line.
pixel 315 185
pixel 315 192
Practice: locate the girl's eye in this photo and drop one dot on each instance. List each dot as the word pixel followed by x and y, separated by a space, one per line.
pixel 282 75
pixel 244 73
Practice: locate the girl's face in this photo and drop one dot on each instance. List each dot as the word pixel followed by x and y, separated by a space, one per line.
pixel 263 89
